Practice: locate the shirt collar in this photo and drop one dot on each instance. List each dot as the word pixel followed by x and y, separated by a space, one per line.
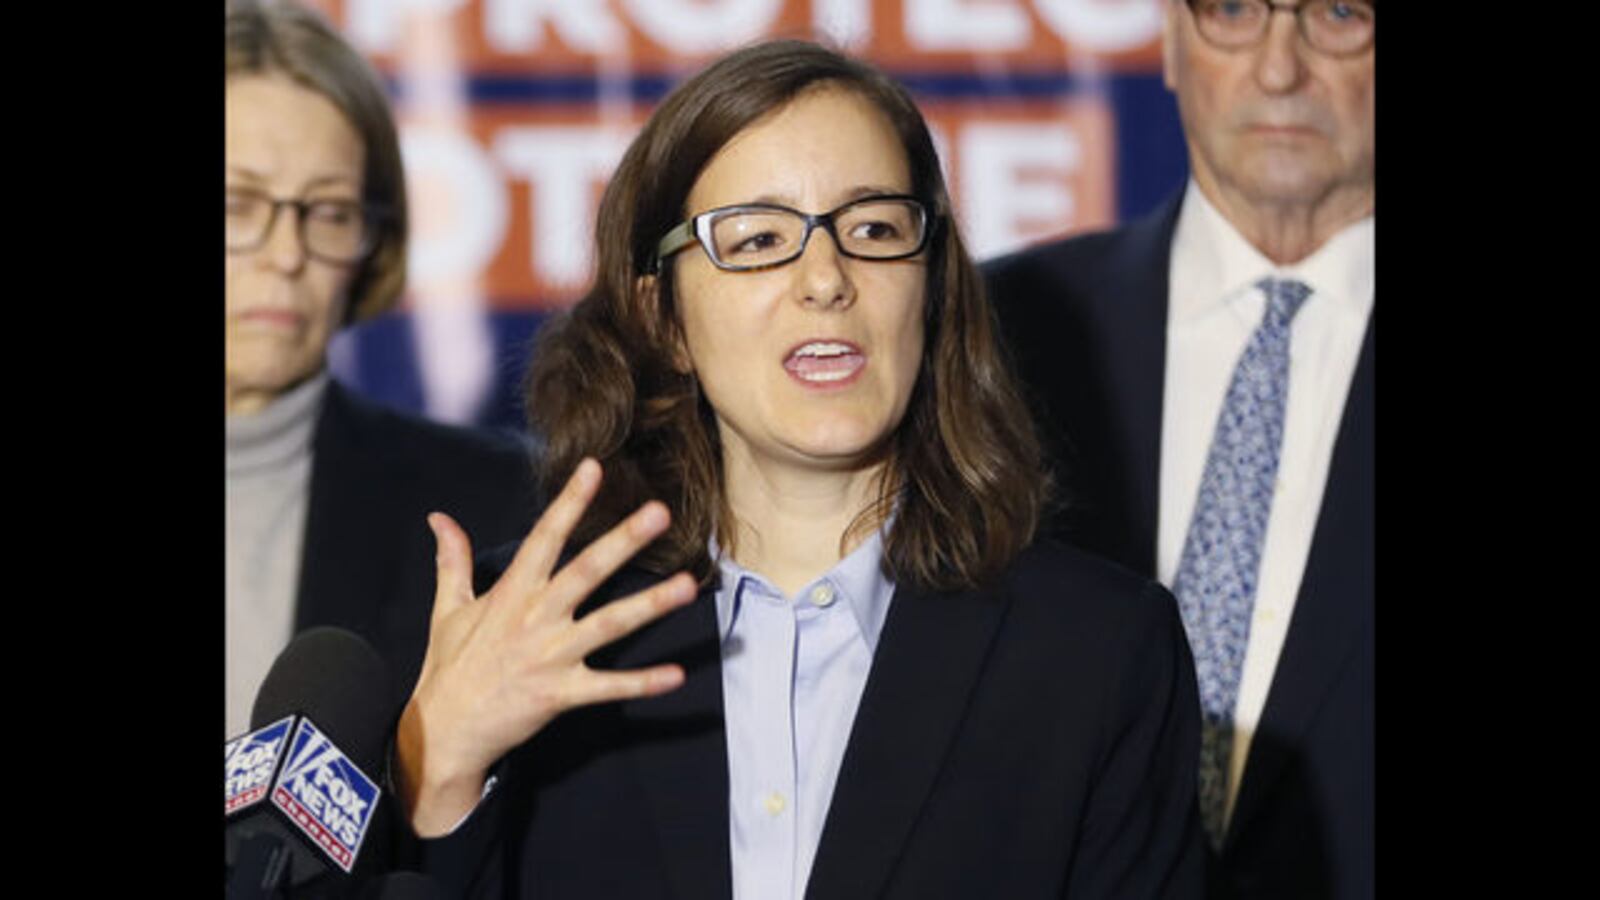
pixel 1213 265
pixel 857 580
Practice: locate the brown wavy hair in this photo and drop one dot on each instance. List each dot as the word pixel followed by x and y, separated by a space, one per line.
pixel 963 473
pixel 281 37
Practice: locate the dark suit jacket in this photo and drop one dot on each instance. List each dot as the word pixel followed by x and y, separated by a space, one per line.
pixel 1086 322
pixel 368 560
pixel 1033 739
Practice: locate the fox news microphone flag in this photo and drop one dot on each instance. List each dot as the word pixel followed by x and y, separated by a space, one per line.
pixel 301 789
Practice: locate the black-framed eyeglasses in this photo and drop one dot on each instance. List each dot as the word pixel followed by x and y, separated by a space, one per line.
pixel 1333 27
pixel 334 231
pixel 762 235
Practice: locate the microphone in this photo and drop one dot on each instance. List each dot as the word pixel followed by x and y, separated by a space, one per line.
pixel 302 795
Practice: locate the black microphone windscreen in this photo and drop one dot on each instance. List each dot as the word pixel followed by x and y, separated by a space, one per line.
pixel 335 678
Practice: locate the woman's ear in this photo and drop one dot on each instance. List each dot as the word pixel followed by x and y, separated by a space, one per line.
pixel 648 290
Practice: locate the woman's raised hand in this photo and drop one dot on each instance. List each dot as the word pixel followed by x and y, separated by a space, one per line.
pixel 501 666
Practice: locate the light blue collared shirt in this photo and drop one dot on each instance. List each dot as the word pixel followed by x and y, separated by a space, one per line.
pixel 793 669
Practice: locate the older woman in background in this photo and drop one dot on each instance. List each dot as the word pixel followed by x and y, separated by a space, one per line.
pixel 839 665
pixel 326 492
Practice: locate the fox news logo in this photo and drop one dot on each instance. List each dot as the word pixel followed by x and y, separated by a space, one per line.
pixel 326 795
pixel 249 762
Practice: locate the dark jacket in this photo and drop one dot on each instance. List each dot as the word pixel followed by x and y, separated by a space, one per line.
pixel 368 560
pixel 1086 322
pixel 1036 738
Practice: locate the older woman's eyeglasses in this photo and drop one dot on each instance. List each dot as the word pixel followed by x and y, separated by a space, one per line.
pixel 334 231
pixel 762 235
pixel 1333 27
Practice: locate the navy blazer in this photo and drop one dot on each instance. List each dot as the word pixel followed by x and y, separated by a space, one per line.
pixel 368 560
pixel 1086 322
pixel 1036 738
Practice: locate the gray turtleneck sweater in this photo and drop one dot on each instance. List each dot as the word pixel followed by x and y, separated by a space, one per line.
pixel 269 480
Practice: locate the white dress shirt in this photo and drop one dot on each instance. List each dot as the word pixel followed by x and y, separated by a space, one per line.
pixel 1213 306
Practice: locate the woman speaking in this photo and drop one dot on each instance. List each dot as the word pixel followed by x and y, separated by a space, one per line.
pixel 786 632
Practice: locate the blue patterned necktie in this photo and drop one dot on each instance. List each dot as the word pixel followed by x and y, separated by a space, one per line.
pixel 1216 580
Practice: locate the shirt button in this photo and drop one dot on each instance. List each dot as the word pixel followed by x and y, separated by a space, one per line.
pixel 774 803
pixel 822 595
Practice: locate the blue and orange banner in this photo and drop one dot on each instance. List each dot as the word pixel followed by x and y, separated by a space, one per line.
pixel 514 112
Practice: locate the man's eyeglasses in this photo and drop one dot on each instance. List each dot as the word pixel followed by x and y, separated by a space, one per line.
pixel 334 231
pixel 1333 27
pixel 762 235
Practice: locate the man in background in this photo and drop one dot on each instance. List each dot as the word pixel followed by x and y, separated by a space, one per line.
pixel 1205 375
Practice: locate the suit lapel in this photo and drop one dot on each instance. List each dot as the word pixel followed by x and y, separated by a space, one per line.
pixel 928 659
pixel 344 570
pixel 1336 593
pixel 1134 337
pixel 682 764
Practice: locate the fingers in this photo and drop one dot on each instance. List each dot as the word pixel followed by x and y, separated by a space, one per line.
pixel 598 561
pixel 608 687
pixel 625 616
pixel 539 551
pixel 453 563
